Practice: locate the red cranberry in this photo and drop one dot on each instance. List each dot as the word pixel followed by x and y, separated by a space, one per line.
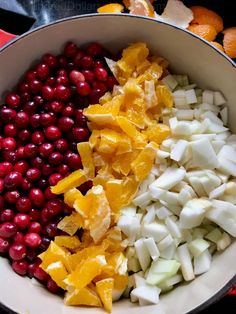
pixel 35 86
pixel 4 245
pixel 54 178
pixel 79 55
pixel 35 120
pixel 21 166
pixel 63 170
pixel 23 87
pixel 30 75
pixel 36 196
pixel 86 62
pixel 83 88
pixel 5 168
pixel 45 216
pixel 98 63
pixel 33 174
pixel 62 92
pixel 20 267
pixel 23 204
pixel 26 185
pixel 10 130
pixel 52 286
pixel 100 85
pixel 37 162
pixel 8 143
pixel 38 100
pixel 35 227
pixel 80 118
pixel 30 107
pixel 22 221
pixel 31 254
pixel 44 244
pixel 21 120
pixel 11 197
pixel 101 73
pixel 40 274
pixel 34 214
pixel 1 185
pixel 49 195
pixel 50 60
pixel 61 145
pixel 24 135
pixel 30 150
pixel 94 49
pixel 8 229
pixel 32 240
pixel 80 134
pixel 13 100
pixel 25 97
pixel 47 92
pixel 67 210
pixel 38 138
pixel 19 238
pixel 46 119
pixel 88 75
pixel 70 50
pixel 55 159
pixel 66 124
pixel 20 153
pixel 62 72
pixel 74 161
pixel 85 187
pixel 54 207
pixel 53 133
pixel 95 95
pixel 7 215
pixel 68 111
pixel 13 180
pixel 47 170
pixel 57 106
pixel 10 156
pixel 51 230
pixel 111 82
pixel 62 80
pixel 42 184
pixel 7 115
pixel 76 77
pixel 1 202
pixel 42 71
pixel 17 252
pixel 51 81
pixel 31 270
pixel 46 149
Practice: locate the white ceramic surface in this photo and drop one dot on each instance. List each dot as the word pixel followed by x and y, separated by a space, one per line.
pixel 187 54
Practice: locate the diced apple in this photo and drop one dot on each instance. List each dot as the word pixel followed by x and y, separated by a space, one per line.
pixel 185 261
pixel 202 263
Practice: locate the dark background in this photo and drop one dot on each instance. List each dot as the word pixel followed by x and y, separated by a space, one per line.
pixel 32 13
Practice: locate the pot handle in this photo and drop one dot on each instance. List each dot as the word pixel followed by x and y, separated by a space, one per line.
pixel 5 37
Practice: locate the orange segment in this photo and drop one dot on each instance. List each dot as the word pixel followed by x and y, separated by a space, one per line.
pixel 205 31
pixel 70 224
pixel 73 180
pixel 143 163
pixel 85 152
pixel 104 289
pixel 204 16
pixel 71 195
pixel 85 296
pixel 217 45
pixel 164 96
pixel 111 8
pixel 58 273
pixel 229 42
pixel 157 132
pixel 142 7
pixel 69 242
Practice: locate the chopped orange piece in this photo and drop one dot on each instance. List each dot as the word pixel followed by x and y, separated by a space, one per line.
pixel 153 72
pixel 54 253
pixel 217 45
pixel 205 31
pixel 114 189
pixel 70 224
pixel 205 16
pixel 104 289
pixel 164 96
pixel 73 180
pixel 143 163
pixel 130 187
pixel 69 242
pixel 82 205
pixel 122 163
pixel 84 296
pixel 71 195
pixel 85 152
pixel 119 262
pixel 157 132
pixel 111 8
pixel 120 281
pixel 229 42
pixel 58 273
pixel 142 7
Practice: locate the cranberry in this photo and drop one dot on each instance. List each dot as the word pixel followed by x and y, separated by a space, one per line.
pixel 88 75
pixel 100 85
pixel 33 174
pixel 47 170
pixel 62 80
pixel 80 134
pixel 21 166
pixel 8 229
pixel 36 196
pixel 23 204
pixel 76 77
pixel 67 210
pixel 5 168
pixel 26 185
pixel 32 240
pixel 50 60
pixel 31 270
pixel 7 115
pixel 13 180
pixel 95 95
pixel 46 149
pixel 35 227
pixel 19 238
pixel 1 202
pixel 45 216
pixel 7 215
pixel 74 161
pixel 42 71
pixel 54 178
pixel 31 254
pixel 13 100
pixel 24 135
pixel 68 111
pixel 40 274
pixel 37 162
pixel 86 62
pixel 46 119
pixel 49 195
pixel 94 49
pixel 17 252
pixel 79 55
pixel 30 107
pixel 11 197
pixel 20 153
pixel 98 63
pixel 70 50
pixel 4 245
pixel 42 184
pixel 55 159
pixel 85 187
pixel 22 221
pixel 62 72
pixel 51 81
pixel 83 88
pixel 20 267
pixel 47 92
pixel 30 75
pixel 8 143
pixel 35 86
pixel 25 97
pixel 10 156
pixel 10 130
pixel 62 92
pixel 61 145
pixel 21 120
pixel 38 138
pixel 35 120
pixel 51 230
pixel 30 150
pixel 23 87
pixel 54 207
pixel 34 214
pixel 111 81
pixel 80 118
pixel 63 170
pixel 101 74
pixel 53 133
pixel 66 124
pixel 1 185
pixel 57 106
pixel 52 286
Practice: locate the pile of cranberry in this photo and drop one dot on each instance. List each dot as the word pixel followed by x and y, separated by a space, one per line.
pixel 40 125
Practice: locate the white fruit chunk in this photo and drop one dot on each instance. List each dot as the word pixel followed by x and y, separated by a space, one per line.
pixel 190 96
pixel 179 149
pixel 208 97
pixel 169 178
pixel 185 261
pixel 142 254
pixel 197 246
pixel 156 230
pixel 224 242
pixel 219 99
pixel 204 155
pixel 202 263
pixel 152 248
pixel 147 293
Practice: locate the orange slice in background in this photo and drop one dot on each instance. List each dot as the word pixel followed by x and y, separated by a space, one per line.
pixel 204 16
pixel 229 41
pixel 205 31
pixel 141 7
pixel 127 3
pixel 111 8
pixel 85 296
pixel 104 289
pixel 217 45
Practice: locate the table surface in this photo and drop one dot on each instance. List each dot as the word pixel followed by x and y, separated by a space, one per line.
pixel 46 11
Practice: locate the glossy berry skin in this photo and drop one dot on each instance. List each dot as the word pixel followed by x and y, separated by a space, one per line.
pixel 4 245
pixel 32 240
pixel 20 267
pixel 17 252
pixel 22 221
pixel 13 180
pixel 13 100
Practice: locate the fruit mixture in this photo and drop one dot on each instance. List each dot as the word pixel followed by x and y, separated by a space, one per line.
pixel 197 19
pixel 142 190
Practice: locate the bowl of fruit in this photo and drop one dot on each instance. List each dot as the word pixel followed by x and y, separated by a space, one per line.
pixel 117 168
